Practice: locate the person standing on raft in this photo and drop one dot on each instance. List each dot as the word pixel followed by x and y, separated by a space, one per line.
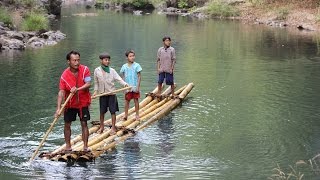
pixel 104 78
pixel 131 73
pixel 166 59
pixel 75 79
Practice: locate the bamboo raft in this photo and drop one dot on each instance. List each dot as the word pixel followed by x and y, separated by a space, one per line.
pixel 152 108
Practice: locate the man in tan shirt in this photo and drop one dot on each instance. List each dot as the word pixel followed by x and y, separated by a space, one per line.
pixel 166 59
pixel 104 79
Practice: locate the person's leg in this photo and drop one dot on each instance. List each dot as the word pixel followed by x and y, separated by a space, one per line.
pixel 103 101
pixel 113 107
pixel 101 129
pixel 170 81
pixel 69 116
pixel 126 107
pixel 67 134
pixel 85 134
pixel 172 90
pixel 159 89
pixel 136 107
pixel 160 81
pixel 113 128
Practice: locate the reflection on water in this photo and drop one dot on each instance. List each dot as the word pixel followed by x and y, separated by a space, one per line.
pixel 255 101
pixel 132 158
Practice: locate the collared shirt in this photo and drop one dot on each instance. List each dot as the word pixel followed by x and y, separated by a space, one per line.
pixel 166 57
pixel 104 82
pixel 131 74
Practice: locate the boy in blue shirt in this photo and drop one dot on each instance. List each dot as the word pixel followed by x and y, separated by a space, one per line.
pixel 131 73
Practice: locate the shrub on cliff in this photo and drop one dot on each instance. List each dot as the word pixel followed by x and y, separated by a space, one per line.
pixel 220 9
pixel 35 22
pixel 5 17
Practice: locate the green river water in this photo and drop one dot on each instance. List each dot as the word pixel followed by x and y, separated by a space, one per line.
pixel 255 103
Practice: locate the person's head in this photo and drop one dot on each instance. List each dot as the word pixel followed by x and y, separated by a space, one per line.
pixel 73 59
pixel 166 41
pixel 105 59
pixel 130 54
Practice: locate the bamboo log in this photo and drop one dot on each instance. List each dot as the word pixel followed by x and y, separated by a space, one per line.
pixel 131 123
pixel 146 113
pixel 94 129
pixel 165 108
pixel 104 139
pixel 105 134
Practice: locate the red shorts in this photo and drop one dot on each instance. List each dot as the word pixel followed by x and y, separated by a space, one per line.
pixel 132 95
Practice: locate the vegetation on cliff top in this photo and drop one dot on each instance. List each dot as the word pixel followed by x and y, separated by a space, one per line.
pixel 23 15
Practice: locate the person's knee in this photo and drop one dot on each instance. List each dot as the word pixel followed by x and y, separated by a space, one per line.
pixel 84 123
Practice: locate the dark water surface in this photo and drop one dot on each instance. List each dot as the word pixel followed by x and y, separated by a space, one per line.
pixel 255 101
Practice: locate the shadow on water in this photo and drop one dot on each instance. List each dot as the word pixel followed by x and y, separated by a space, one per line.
pixel 132 157
pixel 106 164
pixel 166 131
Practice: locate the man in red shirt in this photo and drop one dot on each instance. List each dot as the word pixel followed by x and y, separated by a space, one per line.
pixel 75 79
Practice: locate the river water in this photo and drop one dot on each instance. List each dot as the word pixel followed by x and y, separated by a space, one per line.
pixel 255 103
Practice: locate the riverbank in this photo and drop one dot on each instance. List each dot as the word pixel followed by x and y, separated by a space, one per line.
pixel 273 14
pixel 281 15
pixel 303 15
pixel 25 24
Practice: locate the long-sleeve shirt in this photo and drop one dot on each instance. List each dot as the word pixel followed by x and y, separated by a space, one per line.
pixel 104 82
pixel 166 57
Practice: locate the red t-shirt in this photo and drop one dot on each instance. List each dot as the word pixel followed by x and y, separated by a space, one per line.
pixel 68 80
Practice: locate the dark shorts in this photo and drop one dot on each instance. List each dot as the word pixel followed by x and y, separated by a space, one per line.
pixel 167 76
pixel 108 102
pixel 70 114
pixel 132 95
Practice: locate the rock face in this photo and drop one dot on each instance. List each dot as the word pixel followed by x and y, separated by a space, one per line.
pixel 13 40
pixel 53 6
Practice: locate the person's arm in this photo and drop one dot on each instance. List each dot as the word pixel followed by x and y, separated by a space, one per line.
pixel 173 58
pixel 60 97
pixel 139 80
pixel 158 62
pixel 138 70
pixel 122 73
pixel 84 87
pixel 119 79
pixel 96 84
pixel 87 81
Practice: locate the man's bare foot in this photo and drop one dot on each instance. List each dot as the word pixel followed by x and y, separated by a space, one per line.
pixel 124 118
pixel 113 131
pixel 100 131
pixel 174 96
pixel 86 149
pixel 67 150
pixel 137 118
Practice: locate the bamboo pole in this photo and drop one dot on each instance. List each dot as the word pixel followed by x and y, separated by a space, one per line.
pixel 94 129
pixel 51 126
pixel 111 93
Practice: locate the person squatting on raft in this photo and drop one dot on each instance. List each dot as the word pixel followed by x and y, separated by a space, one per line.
pixel 104 79
pixel 75 79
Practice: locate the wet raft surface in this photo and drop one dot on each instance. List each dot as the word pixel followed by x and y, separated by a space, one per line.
pixel 152 108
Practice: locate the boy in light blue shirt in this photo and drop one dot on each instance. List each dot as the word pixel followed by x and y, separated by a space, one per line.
pixel 131 74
